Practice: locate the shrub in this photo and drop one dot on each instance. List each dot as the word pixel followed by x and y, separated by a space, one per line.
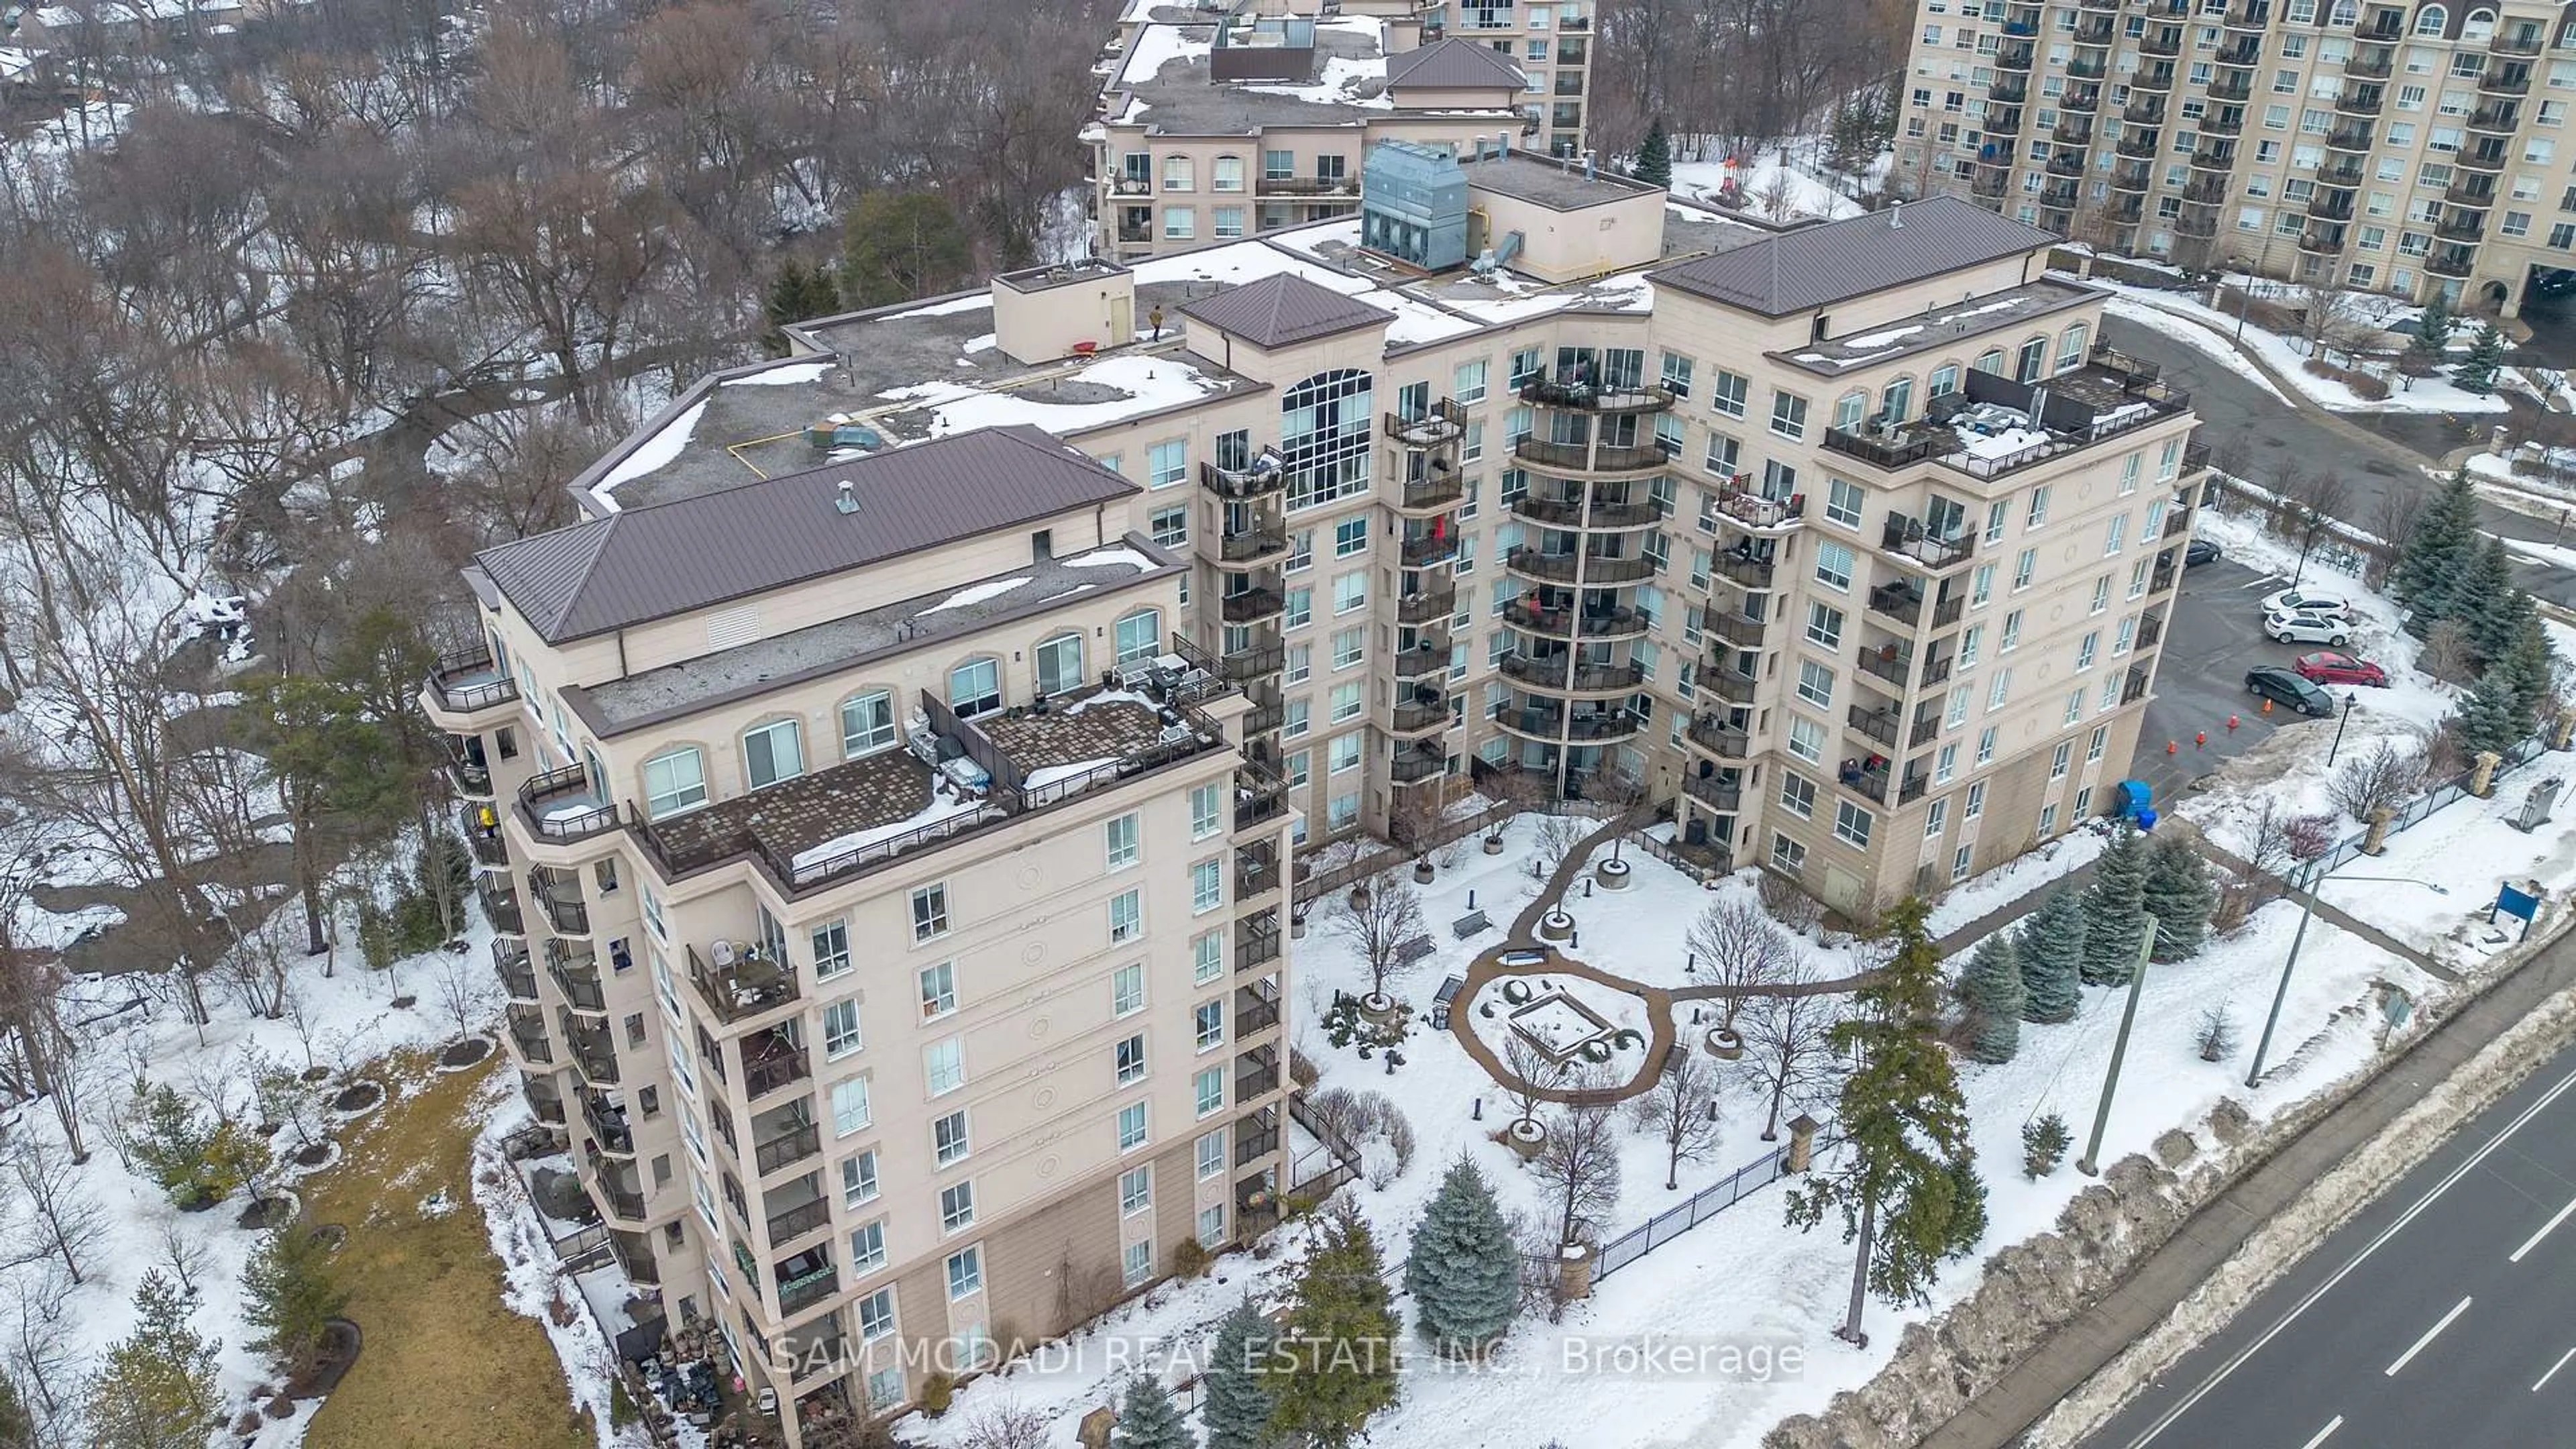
pixel 937 1392
pixel 1191 1259
pixel 2043 1145
pixel 195 1162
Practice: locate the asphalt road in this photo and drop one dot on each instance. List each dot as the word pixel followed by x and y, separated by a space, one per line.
pixel 2251 433
pixel 2443 1316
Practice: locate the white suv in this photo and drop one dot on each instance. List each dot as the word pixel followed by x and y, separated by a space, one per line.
pixel 2293 626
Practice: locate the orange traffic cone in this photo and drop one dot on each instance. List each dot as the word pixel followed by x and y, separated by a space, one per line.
pixel 2170 747
pixel 2267 706
pixel 2200 741
pixel 2231 724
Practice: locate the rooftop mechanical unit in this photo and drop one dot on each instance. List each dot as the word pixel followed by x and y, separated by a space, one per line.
pixel 1413 205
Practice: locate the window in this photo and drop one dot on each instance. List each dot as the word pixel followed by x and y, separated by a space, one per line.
pixel 1834 566
pixel 965 1273
pixel 1225 173
pixel 831 950
pixel 948 1142
pixel 1167 463
pixel 929 912
pixel 1789 415
pixel 2038 513
pixel 1207 810
pixel 1727 391
pixel 975 687
pixel 1211 1155
pixel 1815 684
pixel 2074 705
pixel 1126 916
pixel 1986 746
pixel 1936 819
pixel 1807 740
pixel 2102 593
pixel 840 1029
pixel 1207 885
pixel 1972 643
pixel 1209 1023
pixel 849 1115
pixel 2085 649
pixel 1294 718
pixel 674 782
pixel 1467 383
pixel 1343 754
pixel 1140 635
pixel 1976 802
pixel 1297 664
pixel 2094 745
pixel 1136 1263
pixel 2115 536
pixel 1350 591
pixel 938 990
pixel 1786 854
pixel 1350 646
pixel 1177 173
pixel 1180 223
pixel 1207 1090
pixel 2011 637
pixel 2070 347
pixel 1676 376
pixel 1207 957
pixel 876 1311
pixel 1851 824
pixel 1342 811
pixel 1123 847
pixel 1945 765
pixel 859 1179
pixel 1129 1058
pixel 943 1066
pixel 2000 691
pixel 1135 1190
pixel 1957 714
pixel 1843 502
pixel 1824 625
pixel 1981 586
pixel 1797 794
pixel 2025 568
pixel 867 724
pixel 1127 989
pixel 1131 1127
pixel 1350 536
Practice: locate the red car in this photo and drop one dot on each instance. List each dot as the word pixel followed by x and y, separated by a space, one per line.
pixel 2325 666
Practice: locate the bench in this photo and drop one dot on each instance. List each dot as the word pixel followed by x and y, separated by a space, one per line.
pixel 1412 949
pixel 1469 924
pixel 1443 999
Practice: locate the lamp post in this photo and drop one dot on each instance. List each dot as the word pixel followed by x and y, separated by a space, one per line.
pixel 2091 1164
pixel 2244 295
pixel 2341 720
pixel 2280 993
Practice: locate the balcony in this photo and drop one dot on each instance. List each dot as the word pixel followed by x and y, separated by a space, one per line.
pixel 2138 146
pixel 1256 1074
pixel 1416 550
pixel 2154 78
pixel 2322 241
pixel 2488 159
pixel 2144 111
pixel 1597 571
pixel 1866 777
pixel 2206 190
pixel 1252 605
pixel 2243 15
pixel 2449 263
pixel 2134 688
pixel 1615 622
pixel 1256 941
pixel 1256 1137
pixel 1758 515
pixel 2465 227
pixel 466 769
pixel 1914 785
pixel 1579 394
pixel 1596 515
pixel 2008 91
pixel 1256 1010
pixel 1722 796
pixel 1893 663
pixel 593 1054
pixel 1712 733
pixel 1563 676
pixel 2225 125
pixel 2502 118
pixel 467 681
pixel 2372 66
pixel 805 1287
pixel 500 902
pixel 2234 89
pixel 1422 660
pixel 2505 80
pixel 771 1060
pixel 1592 726
pixel 2214 158
pixel 1727 683
pixel 1900 601
pixel 1991 181
pixel 2015 58
pixel 2166 43
pixel 2196 226
pixel 560 806
pixel 786 1149
pixel 1256 868
pixel 1905 538
pixel 518 974
pixel 2243 54
pixel 527 1029
pixel 1436 489
pixel 2164 576
pixel 606 1123
pixel 1255 661
pixel 1426 604
pixel 1743 568
pixel 558 894
pixel 1250 547
pixel 1592 459
pixel 2337 208
pixel 1734 628
pixel 617 1200
pixel 1444 423
pixel 1878 725
pixel 2151 628
pixel 2093 30
pixel 741 981
pixel 1260 795
pixel 789 1224
pixel 2363 100
pixel 2521 42
pixel 2348 138
pixel 1261 477
pixel 575 973
pixel 2066 163
pixel 1412 717
pixel 1415 763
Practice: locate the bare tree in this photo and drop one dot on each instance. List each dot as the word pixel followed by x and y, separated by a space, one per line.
pixel 1380 918
pixel 1533 1075
pixel 63 1221
pixel 1682 1111
pixel 2312 503
pixel 1778 195
pixel 2379 778
pixel 1788 1048
pixel 1580 1166
pixel 256 967
pixel 185 1255
pixel 1738 947
pixel 1005 1426
pixel 2330 319
pixel 41 1350
pixel 1558 835
pixel 2448 655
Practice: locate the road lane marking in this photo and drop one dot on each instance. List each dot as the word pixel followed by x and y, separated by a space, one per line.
pixel 2170 1416
pixel 2553 1369
pixel 2534 1240
pixel 2323 1433
pixel 2408 1356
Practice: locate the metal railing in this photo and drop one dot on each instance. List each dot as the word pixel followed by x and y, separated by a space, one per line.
pixel 467 698
pixel 560 805
pixel 1702 1205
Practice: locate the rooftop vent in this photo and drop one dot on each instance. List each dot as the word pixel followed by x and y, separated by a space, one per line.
pixel 848 499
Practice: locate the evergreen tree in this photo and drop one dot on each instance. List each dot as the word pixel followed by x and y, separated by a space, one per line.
pixel 2432 563
pixel 2111 910
pixel 1992 988
pixel 798 293
pixel 291 1295
pixel 1147 1420
pixel 1655 156
pixel 2424 350
pixel 2043 1145
pixel 2477 373
pixel 1899 1187
pixel 2530 666
pixel 1239 1401
pixel 1339 1352
pixel 2178 894
pixel 1463 1270
pixel 2489 606
pixel 2487 720
pixel 903 244
pixel 2050 950
pixel 157 1388
pixel 1846 135
pixel 17 1426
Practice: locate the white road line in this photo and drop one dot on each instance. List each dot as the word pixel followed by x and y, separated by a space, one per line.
pixel 2324 1433
pixel 2554 1368
pixel 2408 1356
pixel 2170 1416
pixel 2534 1240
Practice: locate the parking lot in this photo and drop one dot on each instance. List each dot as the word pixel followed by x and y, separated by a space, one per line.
pixel 2212 636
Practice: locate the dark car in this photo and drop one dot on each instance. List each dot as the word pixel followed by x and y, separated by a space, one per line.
pixel 2200 552
pixel 2273 682
pixel 2326 666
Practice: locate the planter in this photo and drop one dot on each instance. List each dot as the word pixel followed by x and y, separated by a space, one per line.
pixel 1516 991
pixel 1525 1135
pixel 464 1052
pixel 1493 845
pixel 1423 873
pixel 1555 926
pixel 1377 1010
pixel 1613 875
pixel 1296 928
pixel 1724 1045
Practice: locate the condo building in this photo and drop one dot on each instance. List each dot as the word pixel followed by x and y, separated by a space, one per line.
pixel 2410 149
pixel 1218 122
pixel 922 731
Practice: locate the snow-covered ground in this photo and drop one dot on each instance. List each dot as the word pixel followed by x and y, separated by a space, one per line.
pixel 2212 331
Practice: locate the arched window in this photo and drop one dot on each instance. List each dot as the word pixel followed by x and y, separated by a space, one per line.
pixel 2346 13
pixel 1991 361
pixel 1225 173
pixel 674 780
pixel 1176 173
pixel 1059 661
pixel 1324 424
pixel 1944 381
pixel 1140 635
pixel 2479 27
pixel 867 723
pixel 773 752
pixel 2070 347
pixel 1848 408
pixel 2032 362
pixel 2431 19
pixel 975 687
pixel 1896 400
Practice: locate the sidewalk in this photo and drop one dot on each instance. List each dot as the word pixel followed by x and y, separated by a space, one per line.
pixel 2091 1340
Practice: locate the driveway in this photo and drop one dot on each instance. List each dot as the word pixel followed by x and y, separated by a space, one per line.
pixel 2211 639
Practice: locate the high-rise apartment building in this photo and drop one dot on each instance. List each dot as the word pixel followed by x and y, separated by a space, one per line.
pixel 1848 545
pixel 1218 126
pixel 2405 149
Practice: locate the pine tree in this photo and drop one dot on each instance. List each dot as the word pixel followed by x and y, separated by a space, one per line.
pixel 2424 350
pixel 157 1388
pixel 2432 564
pixel 1463 1269
pixel 1655 156
pixel 2178 894
pixel 2487 721
pixel 1845 135
pixel 2477 373
pixel 291 1295
pixel 899 245
pixel 2050 950
pixel 798 293
pixel 1339 1352
pixel 1993 991
pixel 1239 1401
pixel 1147 1420
pixel 2489 606
pixel 1899 1185
pixel 2111 910
pixel 2043 1145
pixel 17 1426
pixel 2530 666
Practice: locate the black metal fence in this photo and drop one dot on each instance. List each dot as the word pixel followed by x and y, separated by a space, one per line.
pixel 1702 1205
pixel 2416 810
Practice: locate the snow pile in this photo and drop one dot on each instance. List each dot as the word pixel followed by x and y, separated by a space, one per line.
pixel 974 594
pixel 655 451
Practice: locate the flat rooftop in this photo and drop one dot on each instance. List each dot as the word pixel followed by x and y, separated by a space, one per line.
pixel 1939 327
pixel 1542 181
pixel 1166 82
pixel 780 661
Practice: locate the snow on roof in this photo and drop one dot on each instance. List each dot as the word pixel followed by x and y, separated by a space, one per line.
pixel 655 451
pixel 1148 383
pixel 1156 46
pixel 1247 261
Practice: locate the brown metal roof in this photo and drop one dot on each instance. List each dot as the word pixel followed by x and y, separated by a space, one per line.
pixel 1453 64
pixel 1282 309
pixel 690 553
pixel 1819 265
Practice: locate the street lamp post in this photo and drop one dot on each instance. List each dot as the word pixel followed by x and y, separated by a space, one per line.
pixel 2091 1163
pixel 2341 720
pixel 2281 993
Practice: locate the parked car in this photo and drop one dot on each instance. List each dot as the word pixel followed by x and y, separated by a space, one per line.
pixel 2325 666
pixel 2307 601
pixel 2201 551
pixel 2273 682
pixel 2299 627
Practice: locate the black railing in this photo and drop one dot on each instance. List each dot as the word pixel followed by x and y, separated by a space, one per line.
pixel 449 675
pixel 799 1220
pixel 787 1148
pixel 560 805
pixel 746 986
